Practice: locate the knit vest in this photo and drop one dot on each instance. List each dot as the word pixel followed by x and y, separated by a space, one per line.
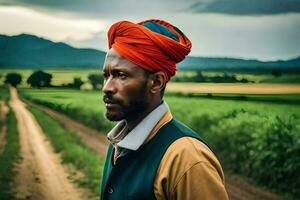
pixel 133 175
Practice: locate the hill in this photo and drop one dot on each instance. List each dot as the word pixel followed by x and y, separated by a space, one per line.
pixel 29 51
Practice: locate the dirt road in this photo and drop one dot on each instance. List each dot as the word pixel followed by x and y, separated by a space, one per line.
pixel 238 189
pixel 40 173
pixel 95 140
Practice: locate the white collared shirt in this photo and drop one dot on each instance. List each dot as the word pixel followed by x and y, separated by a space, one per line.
pixel 136 137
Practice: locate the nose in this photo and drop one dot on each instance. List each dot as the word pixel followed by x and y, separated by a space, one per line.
pixel 109 86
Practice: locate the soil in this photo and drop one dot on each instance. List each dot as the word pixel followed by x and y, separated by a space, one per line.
pixel 239 189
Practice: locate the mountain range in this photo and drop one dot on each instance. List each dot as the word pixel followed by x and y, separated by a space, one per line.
pixel 29 51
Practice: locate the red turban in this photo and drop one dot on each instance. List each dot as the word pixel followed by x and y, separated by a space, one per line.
pixel 150 50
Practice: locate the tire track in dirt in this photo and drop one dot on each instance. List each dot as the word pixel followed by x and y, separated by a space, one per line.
pixel 40 173
pixel 237 188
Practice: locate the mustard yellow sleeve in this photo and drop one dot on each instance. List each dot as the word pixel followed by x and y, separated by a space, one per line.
pixel 201 181
pixel 189 170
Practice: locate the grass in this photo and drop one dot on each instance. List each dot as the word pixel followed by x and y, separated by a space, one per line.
pixel 4 94
pixel 292 79
pixel 73 151
pixel 9 156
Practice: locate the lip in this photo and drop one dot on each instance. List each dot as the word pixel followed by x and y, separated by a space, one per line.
pixel 111 105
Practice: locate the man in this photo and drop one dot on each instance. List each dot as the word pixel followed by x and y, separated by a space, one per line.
pixel 151 155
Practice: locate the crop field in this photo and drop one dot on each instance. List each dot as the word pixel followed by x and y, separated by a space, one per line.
pixel 250 137
pixel 234 88
pixel 65 76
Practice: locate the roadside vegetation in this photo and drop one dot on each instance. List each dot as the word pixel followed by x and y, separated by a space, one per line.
pixel 4 93
pixel 10 154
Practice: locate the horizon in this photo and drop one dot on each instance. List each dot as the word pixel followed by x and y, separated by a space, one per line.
pixel 216 57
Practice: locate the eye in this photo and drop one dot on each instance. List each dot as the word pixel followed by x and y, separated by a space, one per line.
pixel 105 75
pixel 121 75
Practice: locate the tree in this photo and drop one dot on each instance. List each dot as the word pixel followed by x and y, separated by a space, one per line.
pixel 13 79
pixel 39 79
pixel 199 77
pixel 276 72
pixel 77 82
pixel 96 80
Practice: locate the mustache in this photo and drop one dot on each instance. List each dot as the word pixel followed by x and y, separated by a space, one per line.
pixel 108 98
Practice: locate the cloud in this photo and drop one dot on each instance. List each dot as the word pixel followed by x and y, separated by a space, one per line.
pixel 102 8
pixel 19 19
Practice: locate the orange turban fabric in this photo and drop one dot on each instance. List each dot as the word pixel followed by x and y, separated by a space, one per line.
pixel 154 45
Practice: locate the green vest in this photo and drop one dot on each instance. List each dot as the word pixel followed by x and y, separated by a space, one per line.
pixel 133 175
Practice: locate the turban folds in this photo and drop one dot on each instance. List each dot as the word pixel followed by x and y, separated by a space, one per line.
pixel 154 45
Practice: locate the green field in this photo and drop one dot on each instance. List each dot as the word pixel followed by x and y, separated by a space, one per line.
pixel 74 102
pixel 65 76
pixel 249 137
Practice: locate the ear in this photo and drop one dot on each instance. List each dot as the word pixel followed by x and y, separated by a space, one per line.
pixel 158 82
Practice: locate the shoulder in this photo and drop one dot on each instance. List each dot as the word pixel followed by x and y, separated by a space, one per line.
pixel 186 152
pixel 186 156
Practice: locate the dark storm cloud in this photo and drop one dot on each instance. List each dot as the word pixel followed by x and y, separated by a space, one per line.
pixel 119 7
pixel 100 7
pixel 76 6
pixel 246 7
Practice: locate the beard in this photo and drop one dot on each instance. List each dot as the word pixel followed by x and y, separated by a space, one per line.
pixel 135 107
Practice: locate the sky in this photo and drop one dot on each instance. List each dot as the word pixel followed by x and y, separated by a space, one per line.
pixel 251 29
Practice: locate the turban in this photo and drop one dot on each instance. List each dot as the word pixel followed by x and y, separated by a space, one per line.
pixel 153 45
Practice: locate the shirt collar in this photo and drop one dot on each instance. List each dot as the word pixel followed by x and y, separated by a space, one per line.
pixel 137 136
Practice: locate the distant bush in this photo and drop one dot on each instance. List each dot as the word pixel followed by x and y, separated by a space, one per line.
pixel 77 83
pixel 96 80
pixel 39 79
pixel 199 77
pixel 13 79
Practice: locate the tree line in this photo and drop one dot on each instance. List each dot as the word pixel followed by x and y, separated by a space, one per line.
pixel 39 79
pixel 199 77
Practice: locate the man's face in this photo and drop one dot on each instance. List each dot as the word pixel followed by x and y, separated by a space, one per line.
pixel 125 88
